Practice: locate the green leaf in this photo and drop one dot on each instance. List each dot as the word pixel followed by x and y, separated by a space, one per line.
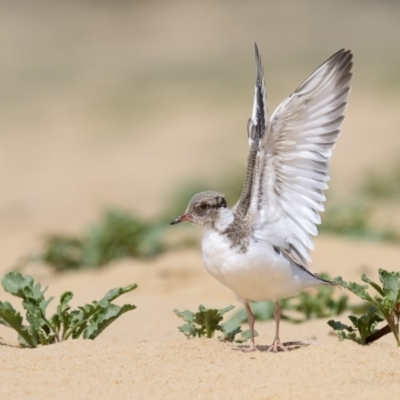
pixel 386 303
pixel 94 318
pixel 366 323
pixel 391 284
pixel 238 317
pixel 119 235
pixel 116 292
pixel 338 326
pixel 209 320
pixel 245 336
pixel 359 290
pixel 230 330
pixel 373 284
pixel 204 322
pixel 65 298
pixel 223 311
pixel 104 318
pixel 187 316
pixel 262 310
pixel 13 319
pixel 188 330
pixel 232 326
pixel 63 252
pixel 63 318
pixel 320 303
pixel 89 319
pixel 16 284
pixel 351 335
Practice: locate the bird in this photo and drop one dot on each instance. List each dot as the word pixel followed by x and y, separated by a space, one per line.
pixel 260 248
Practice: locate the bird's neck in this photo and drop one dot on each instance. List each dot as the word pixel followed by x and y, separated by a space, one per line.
pixel 225 218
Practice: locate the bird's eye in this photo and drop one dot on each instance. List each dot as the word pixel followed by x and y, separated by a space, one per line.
pixel 203 206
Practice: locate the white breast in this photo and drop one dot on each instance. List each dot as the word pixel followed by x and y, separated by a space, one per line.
pixel 259 274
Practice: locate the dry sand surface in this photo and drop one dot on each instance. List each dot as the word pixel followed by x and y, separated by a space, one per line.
pixel 142 355
pixel 202 369
pixel 104 104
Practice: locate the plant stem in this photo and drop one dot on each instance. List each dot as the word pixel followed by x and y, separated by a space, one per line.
pixel 209 331
pixel 51 327
pixel 378 334
pixel 396 334
pixel 69 331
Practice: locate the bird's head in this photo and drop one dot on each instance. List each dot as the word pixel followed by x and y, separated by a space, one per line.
pixel 204 209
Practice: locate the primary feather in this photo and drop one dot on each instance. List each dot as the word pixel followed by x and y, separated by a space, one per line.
pixel 292 156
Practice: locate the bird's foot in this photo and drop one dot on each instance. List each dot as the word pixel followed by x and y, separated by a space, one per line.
pixel 249 349
pixel 287 346
pixel 276 346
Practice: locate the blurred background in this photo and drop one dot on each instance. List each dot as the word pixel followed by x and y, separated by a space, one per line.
pixel 130 103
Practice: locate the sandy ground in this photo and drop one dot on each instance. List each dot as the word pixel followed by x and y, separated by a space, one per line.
pixel 142 355
pixel 200 369
pixel 118 105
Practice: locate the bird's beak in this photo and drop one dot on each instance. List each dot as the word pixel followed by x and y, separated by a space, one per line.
pixel 181 218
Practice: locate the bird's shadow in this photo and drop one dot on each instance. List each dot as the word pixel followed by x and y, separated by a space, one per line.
pixel 294 345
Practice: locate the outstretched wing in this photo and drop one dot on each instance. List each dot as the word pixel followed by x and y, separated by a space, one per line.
pixel 255 130
pixel 259 117
pixel 292 161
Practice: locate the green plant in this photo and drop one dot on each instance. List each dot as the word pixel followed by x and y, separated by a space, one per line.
pixel 318 303
pixel 385 186
pixel 87 321
pixel 262 311
pixel 385 305
pixel 117 235
pixel 352 218
pixel 206 321
pixel 361 329
pixel 313 305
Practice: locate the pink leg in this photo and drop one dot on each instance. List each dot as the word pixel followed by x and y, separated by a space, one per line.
pixel 277 344
pixel 250 319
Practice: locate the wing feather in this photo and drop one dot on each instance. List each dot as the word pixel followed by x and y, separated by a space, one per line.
pixel 293 156
pixel 255 131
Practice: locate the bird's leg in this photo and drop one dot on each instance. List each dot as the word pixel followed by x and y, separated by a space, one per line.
pixel 250 319
pixel 277 344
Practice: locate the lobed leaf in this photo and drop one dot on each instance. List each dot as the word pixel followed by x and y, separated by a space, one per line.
pixel 223 311
pixel 12 318
pixel 372 283
pixel 188 330
pixel 187 316
pixel 116 292
pixel 386 303
pixel 206 321
pixel 90 319
pixel 338 326
pixel 16 284
pixel 391 284
pixel 103 318
pixel 245 336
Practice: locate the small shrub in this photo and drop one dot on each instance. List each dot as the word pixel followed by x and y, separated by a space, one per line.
pixel 383 186
pixel 353 219
pixel 206 321
pixel 117 235
pixel 87 321
pixel 385 305
pixel 306 305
